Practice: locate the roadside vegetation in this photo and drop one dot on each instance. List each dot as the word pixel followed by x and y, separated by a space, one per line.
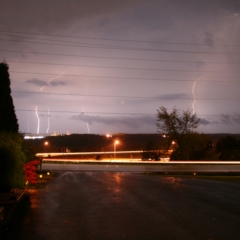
pixel 179 130
pixel 15 152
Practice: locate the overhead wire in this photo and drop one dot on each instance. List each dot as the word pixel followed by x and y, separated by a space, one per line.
pixel 118 40
pixel 115 58
pixel 127 48
pixel 125 78
pixel 111 113
pixel 122 96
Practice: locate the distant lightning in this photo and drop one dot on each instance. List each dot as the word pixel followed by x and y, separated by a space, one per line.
pixel 48 121
pixel 38 120
pixel 28 126
pixel 88 128
pixel 54 78
pixel 194 96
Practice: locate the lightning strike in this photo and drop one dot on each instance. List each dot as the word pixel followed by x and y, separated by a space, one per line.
pixel 88 128
pixel 48 121
pixel 38 120
pixel 28 126
pixel 54 78
pixel 194 96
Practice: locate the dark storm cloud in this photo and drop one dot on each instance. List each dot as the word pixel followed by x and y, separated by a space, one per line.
pixel 154 99
pixel 44 115
pixel 37 82
pixel 47 15
pixel 42 83
pixel 199 64
pixel 135 122
pixel 23 56
pixel 208 40
pixel 206 122
pixel 173 96
pixel 230 119
pixel 57 83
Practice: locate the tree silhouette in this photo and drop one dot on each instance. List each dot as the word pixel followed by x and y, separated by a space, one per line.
pixel 176 125
pixel 8 119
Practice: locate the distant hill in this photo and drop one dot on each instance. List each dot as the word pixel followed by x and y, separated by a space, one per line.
pixel 94 142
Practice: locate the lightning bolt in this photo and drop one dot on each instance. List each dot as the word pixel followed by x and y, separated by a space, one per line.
pixel 88 128
pixel 48 121
pixel 28 129
pixel 194 96
pixel 54 78
pixel 38 120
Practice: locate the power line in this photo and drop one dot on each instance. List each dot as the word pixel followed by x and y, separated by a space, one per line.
pixel 73 43
pixel 135 68
pixel 131 97
pixel 109 113
pixel 127 48
pixel 82 113
pixel 116 58
pixel 122 78
pixel 118 40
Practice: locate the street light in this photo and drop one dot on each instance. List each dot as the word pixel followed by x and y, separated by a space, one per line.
pixel 45 145
pixel 115 143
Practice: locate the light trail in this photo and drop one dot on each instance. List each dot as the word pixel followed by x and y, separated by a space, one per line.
pixel 194 96
pixel 38 120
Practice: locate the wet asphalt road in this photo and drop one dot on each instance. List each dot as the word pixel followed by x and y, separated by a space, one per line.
pixel 104 205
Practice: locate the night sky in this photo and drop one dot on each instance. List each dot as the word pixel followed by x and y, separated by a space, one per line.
pixel 106 66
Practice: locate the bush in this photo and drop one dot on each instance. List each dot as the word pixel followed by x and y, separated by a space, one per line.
pixel 12 159
pixel 30 171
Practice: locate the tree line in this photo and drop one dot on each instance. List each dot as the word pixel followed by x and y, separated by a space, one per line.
pixel 179 129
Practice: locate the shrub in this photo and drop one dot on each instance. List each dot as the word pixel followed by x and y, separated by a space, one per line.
pixel 12 159
pixel 30 171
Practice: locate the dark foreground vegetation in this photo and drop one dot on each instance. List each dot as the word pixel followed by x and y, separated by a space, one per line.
pixel 16 154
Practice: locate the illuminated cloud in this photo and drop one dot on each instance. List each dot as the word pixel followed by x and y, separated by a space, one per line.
pixel 206 122
pixel 42 83
pixel 135 122
pixel 230 119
